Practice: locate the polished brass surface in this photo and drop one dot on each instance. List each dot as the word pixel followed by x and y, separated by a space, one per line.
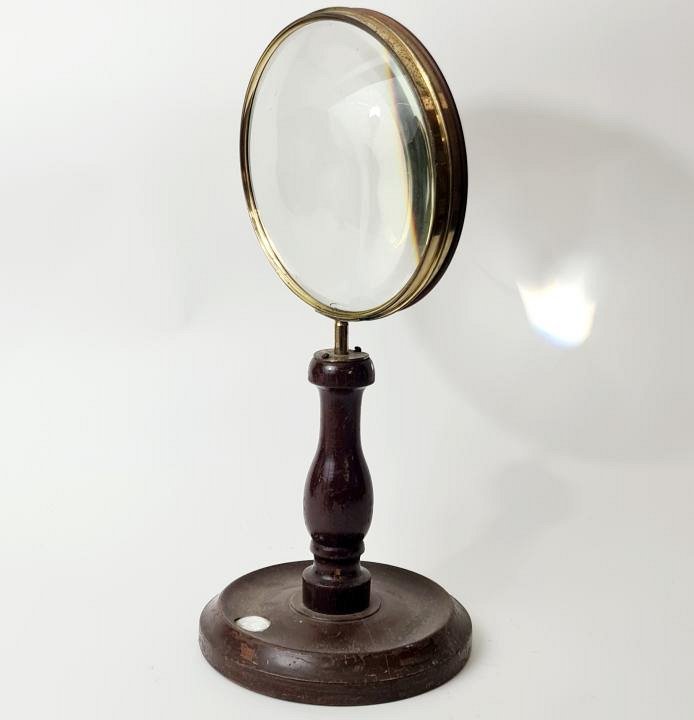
pixel 341 337
pixel 445 138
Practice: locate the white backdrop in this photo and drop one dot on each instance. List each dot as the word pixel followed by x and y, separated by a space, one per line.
pixel 530 431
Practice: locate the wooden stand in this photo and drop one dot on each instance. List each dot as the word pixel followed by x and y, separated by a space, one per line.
pixel 340 632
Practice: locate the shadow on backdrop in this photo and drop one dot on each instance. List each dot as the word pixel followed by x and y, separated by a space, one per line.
pixel 566 308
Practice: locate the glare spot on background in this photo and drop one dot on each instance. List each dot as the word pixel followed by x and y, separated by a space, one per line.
pixel 561 312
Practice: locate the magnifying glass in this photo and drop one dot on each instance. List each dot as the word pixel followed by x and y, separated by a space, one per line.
pixel 353 163
pixel 354 170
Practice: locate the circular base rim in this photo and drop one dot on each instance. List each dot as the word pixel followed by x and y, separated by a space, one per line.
pixel 417 639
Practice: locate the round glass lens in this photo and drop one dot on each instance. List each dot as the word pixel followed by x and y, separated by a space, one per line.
pixel 340 165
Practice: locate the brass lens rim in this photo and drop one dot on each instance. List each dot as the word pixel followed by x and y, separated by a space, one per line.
pixel 446 143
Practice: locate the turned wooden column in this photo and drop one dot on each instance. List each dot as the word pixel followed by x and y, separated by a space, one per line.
pixel 338 497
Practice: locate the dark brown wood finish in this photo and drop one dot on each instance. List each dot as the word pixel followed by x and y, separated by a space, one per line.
pixel 415 638
pixel 338 498
pixel 340 633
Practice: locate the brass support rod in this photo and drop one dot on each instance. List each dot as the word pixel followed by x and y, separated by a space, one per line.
pixel 341 337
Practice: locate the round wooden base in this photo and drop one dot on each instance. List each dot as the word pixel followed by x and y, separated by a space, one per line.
pixel 413 637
